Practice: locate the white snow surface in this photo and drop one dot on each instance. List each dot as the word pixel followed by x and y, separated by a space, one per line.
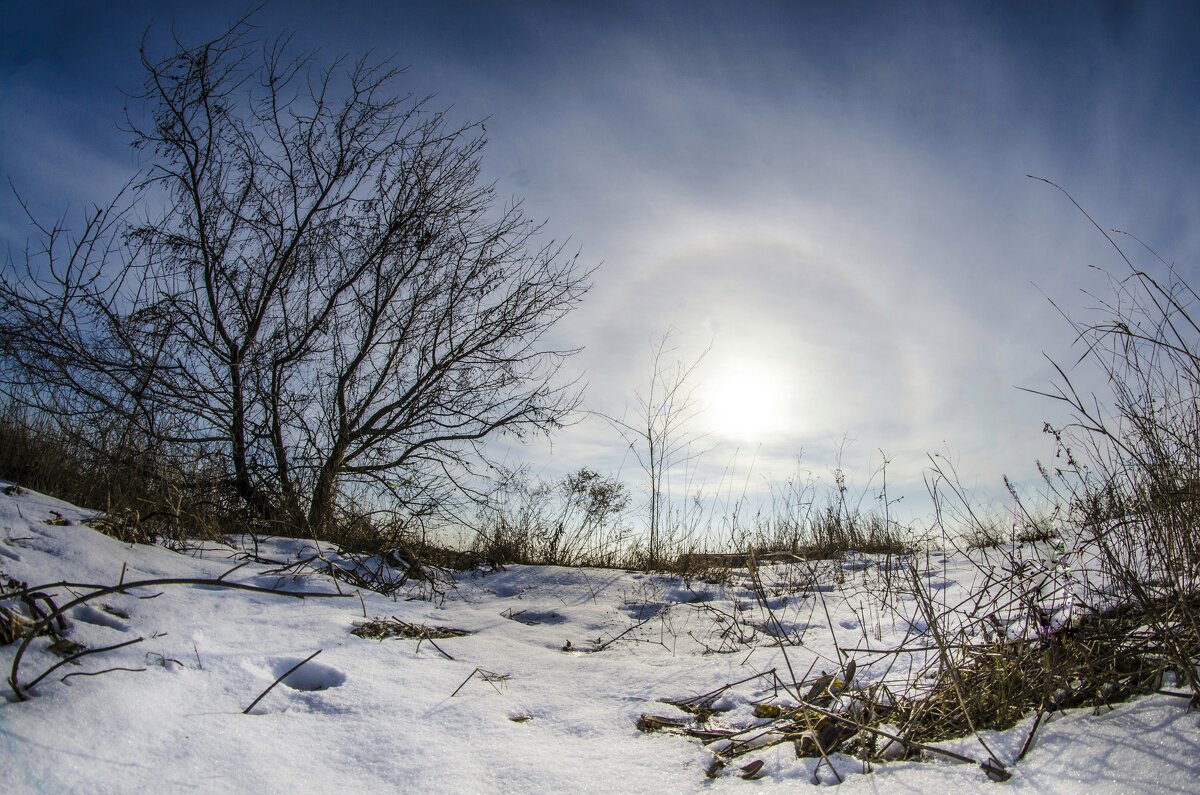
pixel 379 716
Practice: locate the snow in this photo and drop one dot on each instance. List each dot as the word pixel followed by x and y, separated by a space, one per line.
pixel 557 668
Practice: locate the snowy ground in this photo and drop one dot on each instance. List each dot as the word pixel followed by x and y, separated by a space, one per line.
pixel 546 711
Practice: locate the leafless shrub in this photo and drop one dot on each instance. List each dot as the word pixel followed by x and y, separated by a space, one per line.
pixel 573 521
pixel 1129 463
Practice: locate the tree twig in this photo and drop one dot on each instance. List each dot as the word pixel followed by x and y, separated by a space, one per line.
pixel 429 637
pixel 97 673
pixel 75 657
pixel 490 677
pixel 282 676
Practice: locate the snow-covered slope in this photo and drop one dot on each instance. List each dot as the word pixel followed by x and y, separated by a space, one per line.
pixel 543 694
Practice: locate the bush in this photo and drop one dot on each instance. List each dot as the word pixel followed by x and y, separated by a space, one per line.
pixel 573 521
pixel 1130 465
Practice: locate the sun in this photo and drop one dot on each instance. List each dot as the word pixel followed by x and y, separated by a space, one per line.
pixel 745 401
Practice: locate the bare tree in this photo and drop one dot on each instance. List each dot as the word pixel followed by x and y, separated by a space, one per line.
pixel 308 282
pixel 662 432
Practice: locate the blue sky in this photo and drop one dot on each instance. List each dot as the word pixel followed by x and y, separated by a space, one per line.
pixel 833 195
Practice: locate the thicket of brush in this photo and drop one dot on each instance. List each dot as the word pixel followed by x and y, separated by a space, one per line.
pixel 1111 591
pixel 144 492
pixel 1129 477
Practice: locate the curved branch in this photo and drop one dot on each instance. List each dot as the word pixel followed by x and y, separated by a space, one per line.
pixel 37 629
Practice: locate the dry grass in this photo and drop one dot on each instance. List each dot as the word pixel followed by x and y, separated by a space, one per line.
pixel 384 628
pixel 1103 660
pixel 142 494
pixel 967 671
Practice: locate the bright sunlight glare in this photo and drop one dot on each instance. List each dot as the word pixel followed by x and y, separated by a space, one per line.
pixel 745 401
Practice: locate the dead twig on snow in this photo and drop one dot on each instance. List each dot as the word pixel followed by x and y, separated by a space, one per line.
pixel 282 676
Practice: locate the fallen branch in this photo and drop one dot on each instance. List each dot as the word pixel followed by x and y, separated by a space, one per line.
pixel 616 638
pixel 46 621
pixel 83 653
pixel 427 636
pixel 105 671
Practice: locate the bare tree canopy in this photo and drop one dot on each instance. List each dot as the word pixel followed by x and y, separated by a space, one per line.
pixel 308 284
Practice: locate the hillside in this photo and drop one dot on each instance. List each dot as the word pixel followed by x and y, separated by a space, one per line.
pixel 518 679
